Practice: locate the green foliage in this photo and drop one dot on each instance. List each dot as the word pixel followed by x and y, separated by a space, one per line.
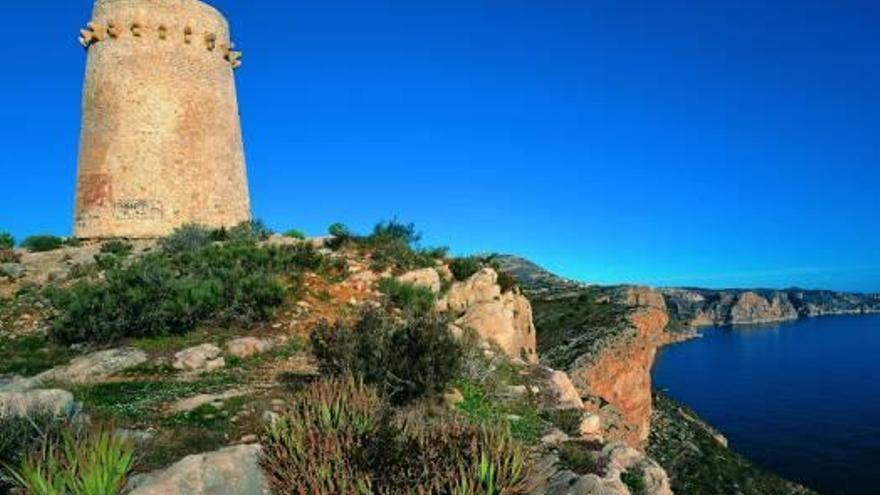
pixel 392 246
pixel 507 282
pixel 295 234
pixel 567 420
pixel 170 293
pixel 6 241
pixel 634 479
pixel 187 238
pixel 28 355
pixel 340 438
pixel 249 231
pixel 42 243
pixel 576 325
pixel 404 359
pixel 117 248
pixel 81 462
pixel 410 298
pixel 465 268
pixel 520 417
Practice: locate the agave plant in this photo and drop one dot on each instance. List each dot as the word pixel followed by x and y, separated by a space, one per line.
pixel 81 462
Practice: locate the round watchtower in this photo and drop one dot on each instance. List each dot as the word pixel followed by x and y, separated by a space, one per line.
pixel 161 142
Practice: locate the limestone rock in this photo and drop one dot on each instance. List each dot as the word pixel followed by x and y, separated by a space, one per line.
pixel 21 404
pixel 203 357
pixel 591 426
pixel 426 277
pixel 506 322
pixel 481 287
pixel 98 366
pixel 90 368
pixel 191 403
pixel 12 270
pixel 230 471
pixel 564 391
pixel 752 308
pixel 246 347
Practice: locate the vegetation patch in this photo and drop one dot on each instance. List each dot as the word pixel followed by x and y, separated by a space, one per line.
pixel 28 355
pixel 406 359
pixel 42 243
pixel 391 246
pixel 579 458
pixel 340 437
pixel 410 298
pixel 572 326
pixel 521 417
pixel 171 292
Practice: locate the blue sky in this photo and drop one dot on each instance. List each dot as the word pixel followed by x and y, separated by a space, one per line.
pixel 675 143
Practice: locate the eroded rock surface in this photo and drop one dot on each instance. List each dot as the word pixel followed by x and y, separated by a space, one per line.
pixel 90 368
pixel 23 404
pixel 230 471
pixel 205 357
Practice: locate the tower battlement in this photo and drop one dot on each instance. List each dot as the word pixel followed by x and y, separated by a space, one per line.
pixel 161 141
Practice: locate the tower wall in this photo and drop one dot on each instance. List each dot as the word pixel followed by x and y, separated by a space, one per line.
pixel 161 141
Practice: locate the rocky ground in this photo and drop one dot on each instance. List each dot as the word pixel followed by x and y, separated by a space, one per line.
pixel 197 404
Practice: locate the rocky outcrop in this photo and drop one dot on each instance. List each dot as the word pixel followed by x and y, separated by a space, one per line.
pixel 246 347
pixel 750 308
pixel 90 368
pixel 504 319
pixel 613 461
pixel 230 471
pixel 205 357
pixel 426 277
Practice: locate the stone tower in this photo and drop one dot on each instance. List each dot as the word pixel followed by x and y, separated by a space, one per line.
pixel 161 142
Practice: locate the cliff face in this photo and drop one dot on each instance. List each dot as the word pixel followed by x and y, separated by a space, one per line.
pixel 622 374
pixel 701 307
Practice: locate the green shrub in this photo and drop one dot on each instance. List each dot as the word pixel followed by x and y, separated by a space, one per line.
pixel 187 238
pixel 117 248
pixel 410 298
pixel 9 256
pixel 507 282
pixel 634 479
pixel 576 457
pixel 81 462
pixel 404 359
pixel 249 231
pixel 464 268
pixel 339 230
pixel 295 234
pixel 6 241
pixel 170 293
pixel 340 438
pixel 42 243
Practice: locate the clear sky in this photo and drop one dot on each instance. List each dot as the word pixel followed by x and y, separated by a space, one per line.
pixel 716 143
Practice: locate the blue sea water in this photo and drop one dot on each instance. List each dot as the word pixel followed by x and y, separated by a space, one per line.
pixel 800 399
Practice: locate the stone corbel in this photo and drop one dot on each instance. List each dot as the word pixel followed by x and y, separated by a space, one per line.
pixel 233 57
pixel 92 34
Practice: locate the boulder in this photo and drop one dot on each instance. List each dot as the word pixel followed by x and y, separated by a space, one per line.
pixel 564 391
pixel 426 277
pixel 230 471
pixel 197 401
pixel 591 426
pixel 246 347
pixel 90 368
pixel 205 357
pixel 506 322
pixel 22 404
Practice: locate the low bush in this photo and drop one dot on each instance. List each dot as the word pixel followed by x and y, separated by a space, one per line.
pixel 405 359
pixel 171 292
pixel 410 298
pixel 42 243
pixel 6 241
pixel 464 268
pixel 295 234
pixel 392 246
pixel 340 438
pixel 117 248
pixel 80 462
pixel 634 479
pixel 187 238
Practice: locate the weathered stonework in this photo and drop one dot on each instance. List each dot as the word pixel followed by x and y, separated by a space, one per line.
pixel 161 141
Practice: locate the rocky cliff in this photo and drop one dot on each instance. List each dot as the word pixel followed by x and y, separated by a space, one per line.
pixel 701 307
